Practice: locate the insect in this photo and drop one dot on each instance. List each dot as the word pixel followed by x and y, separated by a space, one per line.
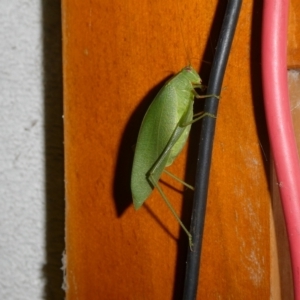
pixel 163 134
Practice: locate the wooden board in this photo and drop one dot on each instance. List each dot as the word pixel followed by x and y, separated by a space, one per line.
pixel 116 57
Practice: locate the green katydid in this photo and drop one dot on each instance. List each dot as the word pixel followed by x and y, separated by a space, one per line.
pixel 163 133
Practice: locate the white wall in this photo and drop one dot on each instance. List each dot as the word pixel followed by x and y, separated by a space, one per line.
pixel 31 153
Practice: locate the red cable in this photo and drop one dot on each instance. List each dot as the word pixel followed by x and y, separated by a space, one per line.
pixel 279 122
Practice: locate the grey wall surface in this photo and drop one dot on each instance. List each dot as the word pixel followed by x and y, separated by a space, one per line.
pixel 31 150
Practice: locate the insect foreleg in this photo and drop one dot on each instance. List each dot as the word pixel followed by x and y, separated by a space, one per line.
pixel 203 96
pixel 206 96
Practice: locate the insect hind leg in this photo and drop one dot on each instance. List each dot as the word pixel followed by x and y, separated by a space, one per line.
pixel 156 185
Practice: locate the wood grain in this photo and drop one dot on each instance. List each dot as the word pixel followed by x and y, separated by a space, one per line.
pixel 117 54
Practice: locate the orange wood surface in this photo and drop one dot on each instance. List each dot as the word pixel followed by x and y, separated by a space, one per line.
pixel 117 54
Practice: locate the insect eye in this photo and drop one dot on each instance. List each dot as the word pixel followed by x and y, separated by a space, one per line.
pixel 188 68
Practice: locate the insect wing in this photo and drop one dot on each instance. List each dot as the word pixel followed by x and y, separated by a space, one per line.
pixel 157 127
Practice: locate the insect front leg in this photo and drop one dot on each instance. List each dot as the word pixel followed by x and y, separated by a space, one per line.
pixel 203 96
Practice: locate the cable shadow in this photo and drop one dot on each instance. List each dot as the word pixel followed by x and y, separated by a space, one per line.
pixel 256 85
pixel 54 154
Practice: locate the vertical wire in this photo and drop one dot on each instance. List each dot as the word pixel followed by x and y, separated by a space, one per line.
pixel 205 147
pixel 279 123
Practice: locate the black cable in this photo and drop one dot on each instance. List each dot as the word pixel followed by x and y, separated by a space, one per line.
pixel 205 147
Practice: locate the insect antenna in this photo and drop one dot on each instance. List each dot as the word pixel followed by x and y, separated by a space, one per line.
pixel 187 53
